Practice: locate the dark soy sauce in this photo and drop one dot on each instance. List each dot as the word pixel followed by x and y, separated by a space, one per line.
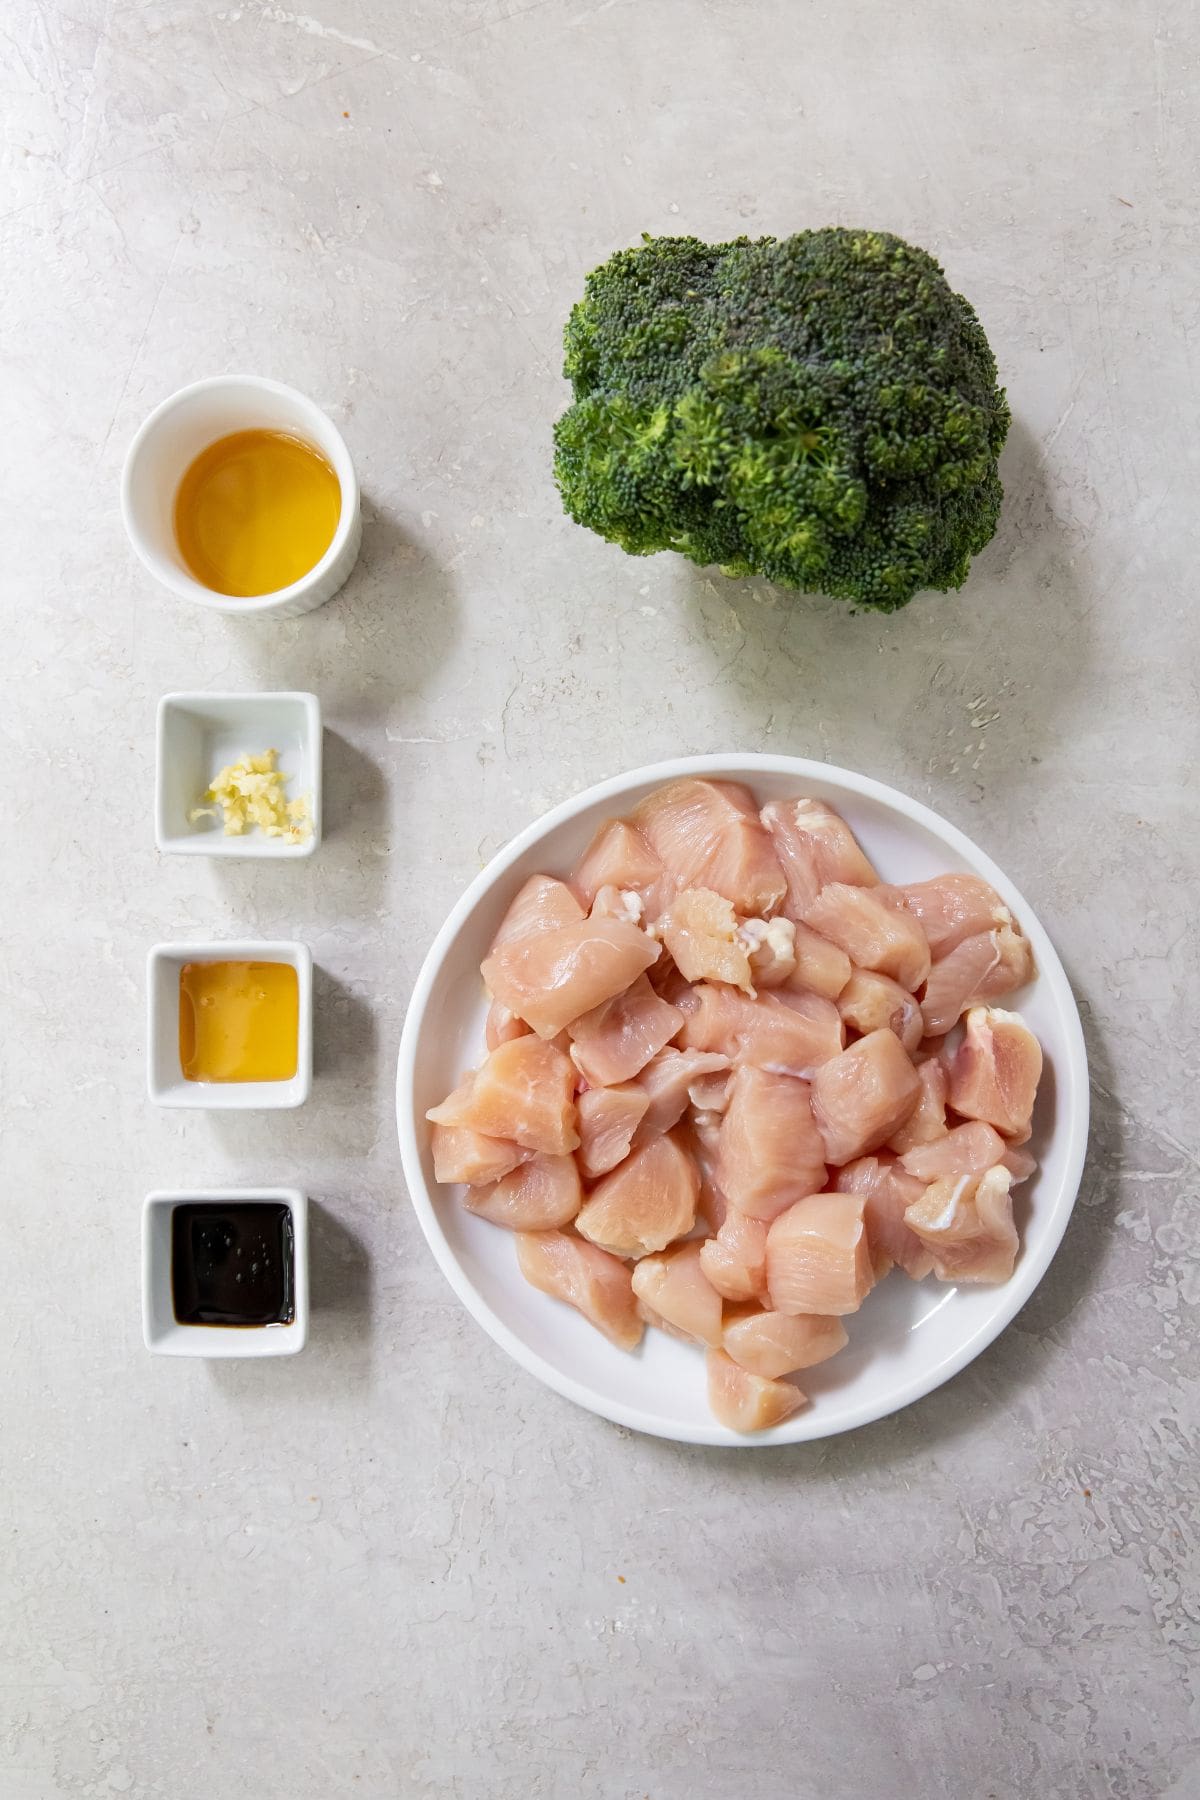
pixel 232 1263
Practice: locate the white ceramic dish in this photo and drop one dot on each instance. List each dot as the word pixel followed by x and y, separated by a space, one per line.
pixel 909 1337
pixel 165 1077
pixel 198 734
pixel 161 1329
pixel 175 434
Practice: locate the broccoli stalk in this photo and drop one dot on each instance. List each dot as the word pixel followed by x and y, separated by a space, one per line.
pixel 820 409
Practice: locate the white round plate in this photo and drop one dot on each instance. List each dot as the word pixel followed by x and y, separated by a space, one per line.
pixel 909 1337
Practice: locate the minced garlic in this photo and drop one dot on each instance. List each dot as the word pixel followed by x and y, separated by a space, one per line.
pixel 250 792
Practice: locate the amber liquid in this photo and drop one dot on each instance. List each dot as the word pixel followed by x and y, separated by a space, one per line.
pixel 239 1021
pixel 255 511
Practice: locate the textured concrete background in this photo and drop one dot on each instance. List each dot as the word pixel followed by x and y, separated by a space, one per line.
pixel 395 1566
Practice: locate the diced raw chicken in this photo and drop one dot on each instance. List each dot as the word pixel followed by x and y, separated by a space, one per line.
pixel 967 1150
pixel 665 978
pixel 968 1226
pixel 674 1293
pixel 873 1002
pixel 541 1195
pixel 666 1082
pixel 860 1097
pixel 873 934
pixel 553 977
pixel 596 1284
pixel 953 907
pixel 708 834
pixel 735 1260
pixel 815 846
pixel 647 1202
pixel 502 1026
pixel 819 1256
pixel 704 1140
pixel 927 1120
pixel 771 947
pixel 608 1118
pixel 995 1071
pixel 786 1033
pixel 1019 1163
pixel 525 1091
pixel 770 1152
pixel 616 1039
pixel 746 1402
pixel 543 904
pixel 710 1093
pixel 820 966
pixel 460 1154
pixel 619 856
pixel 771 1344
pixel 984 967
pixel 700 929
pixel 617 903
pixel 890 1190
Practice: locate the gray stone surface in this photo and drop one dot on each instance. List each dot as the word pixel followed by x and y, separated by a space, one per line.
pixel 395 1565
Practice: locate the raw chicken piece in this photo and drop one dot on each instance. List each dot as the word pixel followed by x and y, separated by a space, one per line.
pixel 502 1026
pixel 1019 1163
pixel 543 904
pixel 860 1097
pixel 617 903
pixel 619 856
pixel 460 1154
pixel 704 1140
pixel 927 1120
pixel 746 1402
pixel 771 1344
pixel 771 947
pixel 995 1072
pixel 815 846
pixel 700 929
pixel 710 1093
pixel 541 1195
pixel 984 967
pixel 524 1091
pixel 967 1150
pixel 968 1226
pixel 953 907
pixel 708 834
pixel 613 1041
pixel 666 1081
pixel 770 1152
pixel 665 978
pixel 871 1002
pixel 873 934
pixel 553 977
pixel 786 1033
pixel 647 1202
pixel 608 1118
pixel 820 966
pixel 596 1284
pixel 819 1256
pixel 674 1293
pixel 735 1260
pixel 889 1190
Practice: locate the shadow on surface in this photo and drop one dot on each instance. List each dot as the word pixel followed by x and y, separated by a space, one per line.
pixel 355 791
pixel 339 1267
pixel 1002 660
pixel 344 1028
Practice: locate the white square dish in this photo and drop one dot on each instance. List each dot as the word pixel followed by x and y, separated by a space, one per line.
pixel 168 1086
pixel 164 1334
pixel 199 734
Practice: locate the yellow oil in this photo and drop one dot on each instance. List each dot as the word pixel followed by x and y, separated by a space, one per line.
pixel 239 1021
pixel 255 511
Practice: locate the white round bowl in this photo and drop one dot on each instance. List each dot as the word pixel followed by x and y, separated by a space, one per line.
pixel 909 1336
pixel 175 434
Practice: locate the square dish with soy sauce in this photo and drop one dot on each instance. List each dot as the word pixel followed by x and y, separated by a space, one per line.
pixel 225 1272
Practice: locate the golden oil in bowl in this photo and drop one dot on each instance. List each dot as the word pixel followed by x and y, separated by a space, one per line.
pixel 255 512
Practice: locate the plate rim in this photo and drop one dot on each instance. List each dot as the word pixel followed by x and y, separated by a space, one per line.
pixel 1076 1121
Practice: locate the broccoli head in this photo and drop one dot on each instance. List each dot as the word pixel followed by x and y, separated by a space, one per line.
pixel 820 409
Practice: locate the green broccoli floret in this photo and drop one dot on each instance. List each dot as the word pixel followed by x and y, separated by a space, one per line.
pixel 819 409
